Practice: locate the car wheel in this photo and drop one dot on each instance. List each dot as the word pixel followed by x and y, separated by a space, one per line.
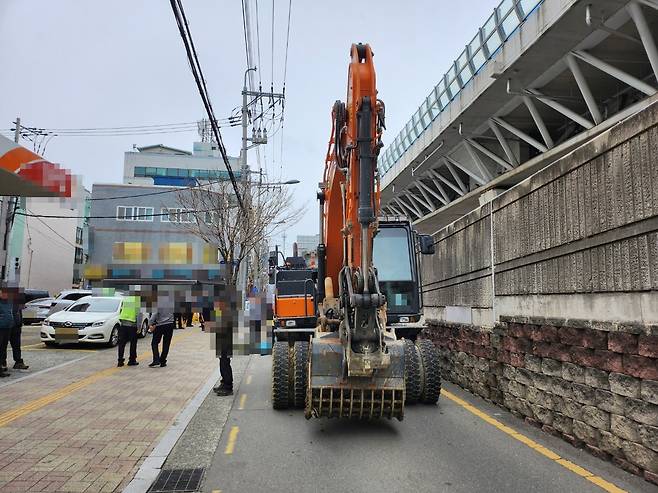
pixel 114 337
pixel 143 330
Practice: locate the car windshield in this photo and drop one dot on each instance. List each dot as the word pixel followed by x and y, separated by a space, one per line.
pixel 96 305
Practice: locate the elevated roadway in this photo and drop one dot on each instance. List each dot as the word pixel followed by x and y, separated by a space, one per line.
pixel 536 81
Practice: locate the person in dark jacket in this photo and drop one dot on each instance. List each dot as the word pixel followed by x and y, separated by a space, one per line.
pixel 17 303
pixel 161 324
pixel 6 325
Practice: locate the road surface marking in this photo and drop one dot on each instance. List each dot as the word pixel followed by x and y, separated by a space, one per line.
pixel 32 345
pixel 243 398
pixel 567 464
pixel 232 437
pixel 29 407
pixel 61 349
pixel 248 379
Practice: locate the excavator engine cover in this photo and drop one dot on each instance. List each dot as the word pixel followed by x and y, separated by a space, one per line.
pixel 332 394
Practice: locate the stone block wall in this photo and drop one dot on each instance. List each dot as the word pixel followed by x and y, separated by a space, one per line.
pixel 594 385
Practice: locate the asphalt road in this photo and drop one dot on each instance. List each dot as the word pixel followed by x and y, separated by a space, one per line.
pixel 436 448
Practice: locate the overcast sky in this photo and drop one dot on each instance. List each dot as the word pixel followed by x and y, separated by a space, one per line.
pixel 92 63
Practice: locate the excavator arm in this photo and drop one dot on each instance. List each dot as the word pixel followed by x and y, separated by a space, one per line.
pixel 368 361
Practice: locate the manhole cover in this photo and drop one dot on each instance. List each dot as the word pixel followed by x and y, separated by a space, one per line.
pixel 177 480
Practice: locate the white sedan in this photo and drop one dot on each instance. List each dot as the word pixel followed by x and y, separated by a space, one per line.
pixel 90 319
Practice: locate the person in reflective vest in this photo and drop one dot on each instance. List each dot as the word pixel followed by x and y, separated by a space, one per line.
pixel 130 306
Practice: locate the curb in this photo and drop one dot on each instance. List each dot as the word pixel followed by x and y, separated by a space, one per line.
pixel 152 465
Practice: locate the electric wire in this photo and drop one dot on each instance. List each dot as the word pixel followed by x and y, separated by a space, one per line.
pixel 197 72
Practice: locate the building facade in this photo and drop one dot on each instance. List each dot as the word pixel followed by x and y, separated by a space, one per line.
pixel 49 252
pixel 135 233
pixel 162 165
pixel 307 243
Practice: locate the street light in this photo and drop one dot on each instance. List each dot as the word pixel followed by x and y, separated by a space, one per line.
pixel 277 183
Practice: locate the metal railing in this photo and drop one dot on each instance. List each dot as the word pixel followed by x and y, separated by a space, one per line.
pixel 506 18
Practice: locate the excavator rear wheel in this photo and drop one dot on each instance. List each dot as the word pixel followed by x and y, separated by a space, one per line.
pixel 431 371
pixel 281 375
pixel 412 373
pixel 300 373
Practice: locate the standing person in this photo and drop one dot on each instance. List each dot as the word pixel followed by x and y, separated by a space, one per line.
pixel 15 334
pixel 224 345
pixel 128 329
pixel 162 326
pixel 6 324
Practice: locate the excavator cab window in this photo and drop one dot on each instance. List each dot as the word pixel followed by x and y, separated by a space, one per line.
pixel 394 259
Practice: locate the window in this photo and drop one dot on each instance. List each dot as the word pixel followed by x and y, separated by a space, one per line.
pixel 176 215
pixel 172 171
pixel 79 255
pixel 151 171
pixel 140 171
pixel 96 305
pixel 134 213
pixel 78 236
pixel 391 256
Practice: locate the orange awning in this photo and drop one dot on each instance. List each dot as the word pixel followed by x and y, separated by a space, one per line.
pixel 26 174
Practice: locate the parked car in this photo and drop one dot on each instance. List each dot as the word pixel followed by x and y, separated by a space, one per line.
pixel 67 298
pixel 95 317
pixel 37 303
pixel 36 311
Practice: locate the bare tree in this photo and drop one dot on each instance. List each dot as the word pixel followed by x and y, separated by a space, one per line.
pixel 213 214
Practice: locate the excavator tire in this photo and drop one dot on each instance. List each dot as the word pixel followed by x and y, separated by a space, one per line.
pixel 431 371
pixel 300 373
pixel 280 375
pixel 412 373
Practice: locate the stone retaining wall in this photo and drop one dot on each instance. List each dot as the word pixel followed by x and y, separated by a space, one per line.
pixel 593 384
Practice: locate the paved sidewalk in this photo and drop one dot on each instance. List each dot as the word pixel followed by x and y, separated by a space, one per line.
pixel 88 426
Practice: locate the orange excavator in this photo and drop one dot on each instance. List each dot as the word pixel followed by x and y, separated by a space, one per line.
pixel 354 366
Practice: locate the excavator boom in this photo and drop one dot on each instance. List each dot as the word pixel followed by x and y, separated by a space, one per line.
pixel 354 366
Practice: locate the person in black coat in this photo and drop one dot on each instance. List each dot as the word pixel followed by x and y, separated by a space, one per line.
pixel 15 334
pixel 6 325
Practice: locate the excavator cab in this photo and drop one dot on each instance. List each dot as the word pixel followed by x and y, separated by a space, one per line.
pixel 395 255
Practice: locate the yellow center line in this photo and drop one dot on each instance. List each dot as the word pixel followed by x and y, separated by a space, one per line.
pixel 248 379
pixel 33 345
pixel 29 407
pixel 567 464
pixel 232 437
pixel 243 399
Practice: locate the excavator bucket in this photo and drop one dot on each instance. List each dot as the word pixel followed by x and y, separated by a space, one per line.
pixel 332 394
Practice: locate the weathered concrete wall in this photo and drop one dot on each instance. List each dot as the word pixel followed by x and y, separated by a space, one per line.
pixel 545 300
pixel 577 240
pixel 595 387
pixel 457 278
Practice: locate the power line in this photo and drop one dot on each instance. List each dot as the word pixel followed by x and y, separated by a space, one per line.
pixel 155 214
pixel 51 229
pixel 272 79
pixel 195 67
pixel 285 63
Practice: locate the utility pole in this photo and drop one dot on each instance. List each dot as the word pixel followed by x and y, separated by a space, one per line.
pixel 257 138
pixel 6 218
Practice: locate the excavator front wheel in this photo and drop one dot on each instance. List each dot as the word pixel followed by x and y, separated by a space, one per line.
pixel 300 373
pixel 281 375
pixel 412 373
pixel 430 371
